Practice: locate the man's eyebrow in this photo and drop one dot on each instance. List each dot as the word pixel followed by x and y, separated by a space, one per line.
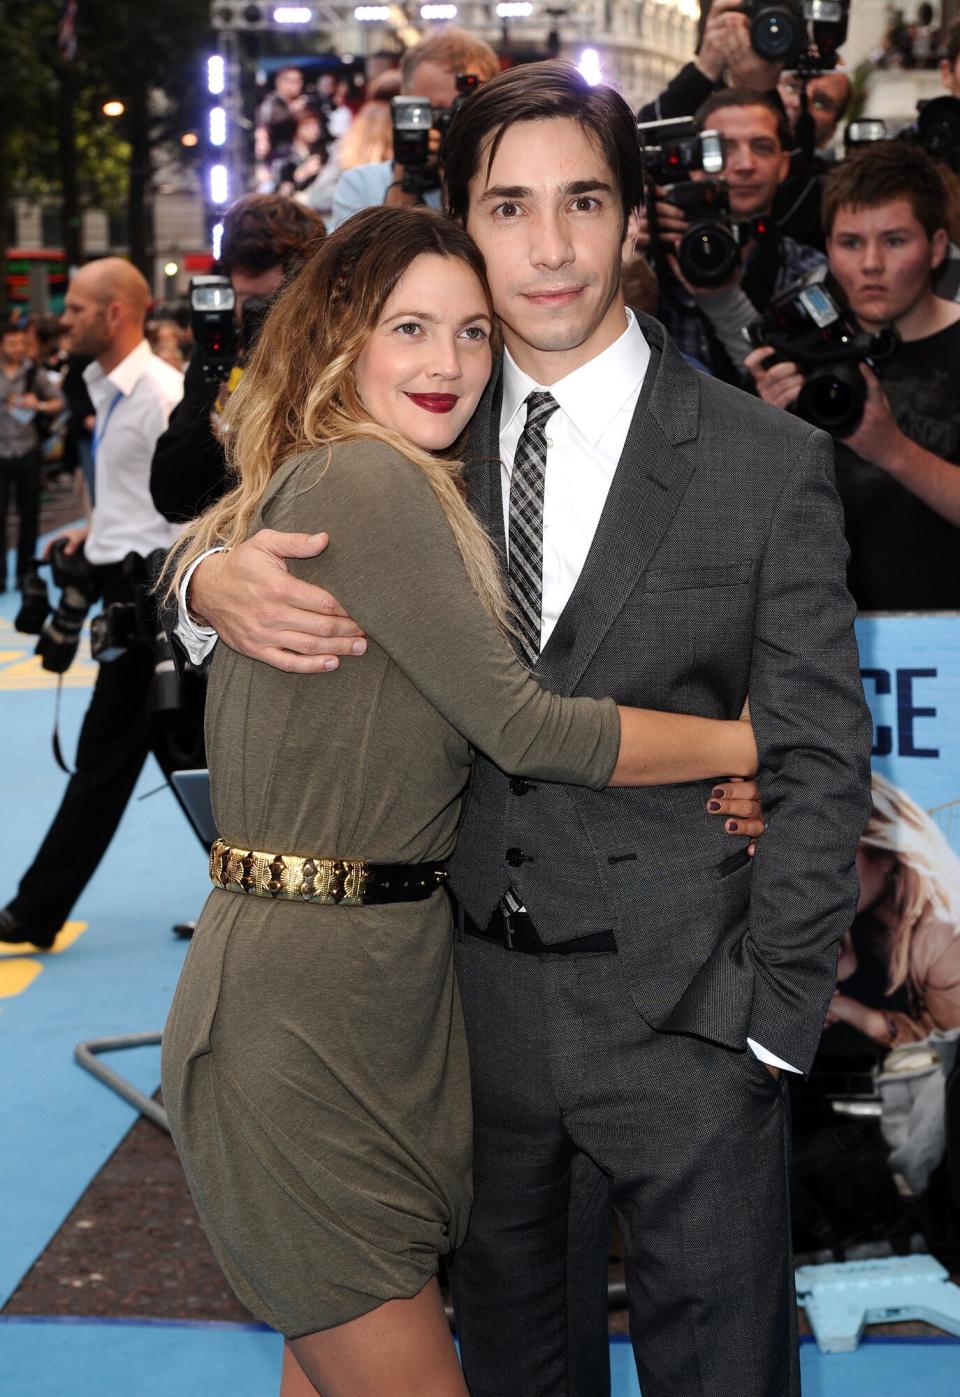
pixel 522 191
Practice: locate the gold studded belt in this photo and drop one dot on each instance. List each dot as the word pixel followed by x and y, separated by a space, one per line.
pixel 330 882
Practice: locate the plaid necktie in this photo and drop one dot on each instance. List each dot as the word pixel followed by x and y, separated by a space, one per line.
pixel 526 523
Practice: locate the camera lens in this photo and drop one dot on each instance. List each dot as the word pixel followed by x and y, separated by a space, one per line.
pixel 938 127
pixel 774 34
pixel 833 399
pixel 708 254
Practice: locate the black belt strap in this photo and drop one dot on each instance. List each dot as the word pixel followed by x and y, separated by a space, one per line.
pixel 516 932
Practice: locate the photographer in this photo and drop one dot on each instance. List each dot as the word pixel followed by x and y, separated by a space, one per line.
pixel 706 321
pixel 133 393
pixel 26 393
pixel 429 70
pixel 950 62
pixel 265 238
pixel 884 213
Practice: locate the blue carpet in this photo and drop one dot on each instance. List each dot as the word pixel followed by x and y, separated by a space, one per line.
pixel 91 1358
pixel 116 974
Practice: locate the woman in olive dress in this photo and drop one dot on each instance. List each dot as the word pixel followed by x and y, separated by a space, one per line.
pixel 314 1068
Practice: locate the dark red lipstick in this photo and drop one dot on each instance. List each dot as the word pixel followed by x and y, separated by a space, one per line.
pixel 435 402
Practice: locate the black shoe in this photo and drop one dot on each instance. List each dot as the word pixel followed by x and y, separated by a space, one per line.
pixel 13 934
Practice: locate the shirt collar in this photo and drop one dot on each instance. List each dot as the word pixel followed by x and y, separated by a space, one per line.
pixel 592 395
pixel 127 373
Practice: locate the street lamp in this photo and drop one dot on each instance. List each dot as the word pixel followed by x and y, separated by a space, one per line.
pixel 113 108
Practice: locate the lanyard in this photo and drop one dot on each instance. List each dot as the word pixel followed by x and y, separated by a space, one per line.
pixel 98 435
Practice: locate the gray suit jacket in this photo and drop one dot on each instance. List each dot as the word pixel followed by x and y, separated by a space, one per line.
pixel 717 570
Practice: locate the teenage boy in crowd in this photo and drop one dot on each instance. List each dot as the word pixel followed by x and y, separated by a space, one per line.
pixel 884 212
pixel 631 989
pixel 754 133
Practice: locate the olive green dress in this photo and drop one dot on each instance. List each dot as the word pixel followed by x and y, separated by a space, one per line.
pixel 314 1063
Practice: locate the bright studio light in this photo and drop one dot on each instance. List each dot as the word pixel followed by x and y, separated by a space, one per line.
pixel 216 74
pixel 372 14
pixel 218 126
pixel 292 14
pixel 171 268
pixel 514 9
pixel 219 184
pixel 589 67
pixel 438 11
pixel 113 108
pixel 216 240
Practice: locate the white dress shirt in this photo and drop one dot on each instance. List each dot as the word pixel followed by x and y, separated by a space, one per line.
pixel 133 405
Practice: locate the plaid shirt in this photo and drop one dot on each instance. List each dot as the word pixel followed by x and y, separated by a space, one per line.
pixel 689 328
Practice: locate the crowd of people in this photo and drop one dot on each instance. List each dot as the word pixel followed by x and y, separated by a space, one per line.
pixel 644 449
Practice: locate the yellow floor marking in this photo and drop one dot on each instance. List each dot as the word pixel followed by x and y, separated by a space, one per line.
pixel 21 669
pixel 17 975
pixel 65 938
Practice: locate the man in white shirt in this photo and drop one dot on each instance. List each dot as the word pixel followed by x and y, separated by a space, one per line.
pixel 133 393
pixel 631 988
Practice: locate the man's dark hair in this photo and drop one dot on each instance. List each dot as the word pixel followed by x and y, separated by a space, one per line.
pixel 262 231
pixel 744 97
pixel 951 43
pixel 541 92
pixel 878 174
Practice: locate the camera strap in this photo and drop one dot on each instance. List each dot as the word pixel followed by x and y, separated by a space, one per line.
pixel 99 432
pixel 57 749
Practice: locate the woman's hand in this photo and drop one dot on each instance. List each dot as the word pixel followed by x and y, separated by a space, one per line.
pixel 738 801
pixel 872 1022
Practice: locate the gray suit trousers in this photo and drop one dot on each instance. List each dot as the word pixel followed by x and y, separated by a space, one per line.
pixel 573 1090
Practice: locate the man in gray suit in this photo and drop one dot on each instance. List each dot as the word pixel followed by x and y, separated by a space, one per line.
pixel 632 988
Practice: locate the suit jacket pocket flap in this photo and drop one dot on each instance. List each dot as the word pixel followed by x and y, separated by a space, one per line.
pixel 685 579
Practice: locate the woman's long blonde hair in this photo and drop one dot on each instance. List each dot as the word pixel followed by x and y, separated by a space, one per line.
pixel 925 877
pixel 299 391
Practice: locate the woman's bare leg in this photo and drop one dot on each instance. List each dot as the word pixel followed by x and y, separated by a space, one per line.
pixel 401 1349
pixel 293 1380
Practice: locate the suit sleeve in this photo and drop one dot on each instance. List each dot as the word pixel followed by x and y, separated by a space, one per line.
pixel 394 566
pixel 813 733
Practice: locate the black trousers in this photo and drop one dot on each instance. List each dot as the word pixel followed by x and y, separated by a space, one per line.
pixel 578 1106
pixel 20 475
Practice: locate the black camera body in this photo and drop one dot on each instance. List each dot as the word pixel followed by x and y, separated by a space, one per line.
pixel 213 323
pixel 801 34
pixel 709 251
pixel 936 129
pixel 810 325
pixel 413 119
pixel 58 627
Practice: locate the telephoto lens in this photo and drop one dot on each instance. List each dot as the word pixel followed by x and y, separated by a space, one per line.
pixel 60 636
pixel 833 398
pixel 35 605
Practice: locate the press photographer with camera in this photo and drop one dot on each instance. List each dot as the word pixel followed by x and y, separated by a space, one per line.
pixel 28 396
pixel 133 393
pixel 885 213
pixel 429 71
pixel 265 239
pixel 721 258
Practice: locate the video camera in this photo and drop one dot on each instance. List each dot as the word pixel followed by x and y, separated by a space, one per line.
pixel 413 119
pixel 59 632
pixel 801 34
pixel 936 129
pixel 214 326
pixel 709 251
pixel 811 326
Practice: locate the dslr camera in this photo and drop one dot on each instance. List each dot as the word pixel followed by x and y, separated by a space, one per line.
pixel 936 129
pixel 811 326
pixel 58 627
pixel 801 34
pixel 413 119
pixel 709 251
pixel 214 327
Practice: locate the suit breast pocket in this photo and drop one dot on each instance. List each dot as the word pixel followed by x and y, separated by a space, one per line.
pixel 712 578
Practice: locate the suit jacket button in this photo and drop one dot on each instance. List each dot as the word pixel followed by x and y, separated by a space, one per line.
pixel 520 785
pixel 515 857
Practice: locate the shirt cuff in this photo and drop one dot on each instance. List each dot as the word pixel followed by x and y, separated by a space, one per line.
pixel 771 1059
pixel 198 641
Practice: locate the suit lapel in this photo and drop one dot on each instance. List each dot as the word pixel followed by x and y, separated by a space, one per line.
pixel 649 483
pixel 482 461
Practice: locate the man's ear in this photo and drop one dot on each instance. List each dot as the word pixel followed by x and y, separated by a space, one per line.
pixel 939 246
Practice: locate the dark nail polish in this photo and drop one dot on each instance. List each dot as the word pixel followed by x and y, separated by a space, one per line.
pixel 718 791
pixel 732 826
pixel 713 805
